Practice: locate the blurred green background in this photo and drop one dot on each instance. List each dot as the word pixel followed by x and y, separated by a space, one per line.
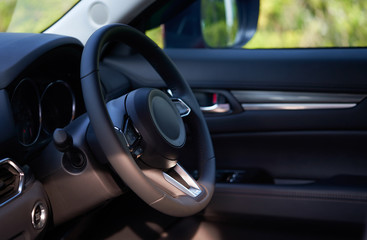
pixel 219 22
pixel 299 24
pixel 31 15
pixel 311 23
pixel 282 23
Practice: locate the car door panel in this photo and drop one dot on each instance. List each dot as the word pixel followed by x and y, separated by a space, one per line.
pixel 319 70
pixel 302 151
pixel 331 70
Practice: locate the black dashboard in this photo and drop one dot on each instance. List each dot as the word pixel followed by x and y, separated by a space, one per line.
pixel 41 87
pixel 43 184
pixel 40 91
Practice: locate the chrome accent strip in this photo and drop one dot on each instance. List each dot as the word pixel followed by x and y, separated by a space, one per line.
pixel 38 222
pixel 295 106
pixel 21 179
pixel 295 97
pixel 194 189
pixel 73 99
pixel 169 91
pixel 36 92
pixel 216 108
pixel 178 102
pixel 118 129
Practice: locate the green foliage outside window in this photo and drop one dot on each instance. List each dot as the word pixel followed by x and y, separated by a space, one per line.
pixel 31 15
pixel 282 23
pixel 311 23
pixel 156 35
pixel 298 24
pixel 219 22
pixel 6 11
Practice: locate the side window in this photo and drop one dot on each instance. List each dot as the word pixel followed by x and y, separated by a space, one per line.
pixel 311 24
pixel 219 22
pixel 266 24
pixel 156 34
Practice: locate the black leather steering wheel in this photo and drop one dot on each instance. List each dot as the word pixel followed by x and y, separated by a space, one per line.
pixel 143 133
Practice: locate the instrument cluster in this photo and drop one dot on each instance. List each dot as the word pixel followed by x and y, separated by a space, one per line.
pixel 38 111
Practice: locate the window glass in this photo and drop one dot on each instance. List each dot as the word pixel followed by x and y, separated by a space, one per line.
pixel 311 24
pixel 31 15
pixel 156 35
pixel 219 22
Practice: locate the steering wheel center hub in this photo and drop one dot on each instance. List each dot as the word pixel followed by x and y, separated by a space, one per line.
pixel 166 119
pixel 160 125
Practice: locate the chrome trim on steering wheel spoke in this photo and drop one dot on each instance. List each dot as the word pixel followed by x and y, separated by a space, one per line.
pixel 193 190
pixel 182 107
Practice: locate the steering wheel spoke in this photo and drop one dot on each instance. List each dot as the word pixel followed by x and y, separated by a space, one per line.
pixel 179 178
pixel 175 182
pixel 181 106
pixel 117 112
pixel 183 109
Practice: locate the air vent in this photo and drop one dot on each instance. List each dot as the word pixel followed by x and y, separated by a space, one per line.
pixel 11 181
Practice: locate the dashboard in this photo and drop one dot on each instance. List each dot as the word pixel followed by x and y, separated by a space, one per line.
pixel 40 91
pixel 44 95
pixel 44 184
pixel 39 110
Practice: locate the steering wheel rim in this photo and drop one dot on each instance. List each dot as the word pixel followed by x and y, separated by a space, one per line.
pixel 148 184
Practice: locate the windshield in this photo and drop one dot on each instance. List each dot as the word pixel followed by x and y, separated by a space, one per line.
pixel 31 15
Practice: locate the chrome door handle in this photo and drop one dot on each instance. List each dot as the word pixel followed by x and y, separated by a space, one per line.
pixel 216 108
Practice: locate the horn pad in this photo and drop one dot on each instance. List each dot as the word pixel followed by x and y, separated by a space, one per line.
pixel 158 122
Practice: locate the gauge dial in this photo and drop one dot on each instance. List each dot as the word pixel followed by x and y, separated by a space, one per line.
pixel 26 111
pixel 58 106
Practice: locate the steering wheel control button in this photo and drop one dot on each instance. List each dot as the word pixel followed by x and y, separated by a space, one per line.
pixel 39 216
pixel 131 134
pixel 138 152
pixel 182 107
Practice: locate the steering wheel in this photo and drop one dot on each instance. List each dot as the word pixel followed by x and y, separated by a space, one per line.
pixel 143 133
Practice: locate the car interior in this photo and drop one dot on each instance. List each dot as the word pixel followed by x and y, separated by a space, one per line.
pixel 105 135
